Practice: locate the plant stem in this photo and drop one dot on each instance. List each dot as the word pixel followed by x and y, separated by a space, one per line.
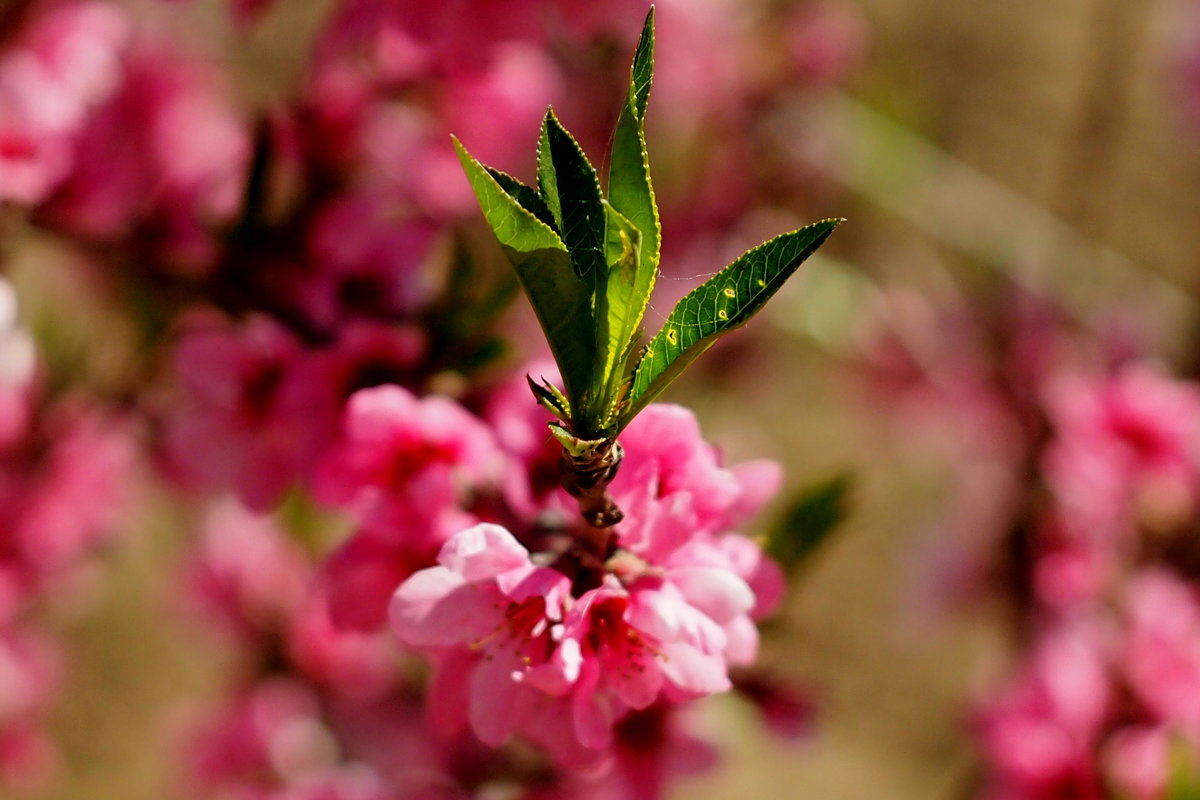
pixel 586 478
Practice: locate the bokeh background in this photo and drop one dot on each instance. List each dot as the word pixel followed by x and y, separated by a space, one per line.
pixel 981 152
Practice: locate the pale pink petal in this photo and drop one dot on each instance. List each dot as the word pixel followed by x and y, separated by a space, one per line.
pixel 483 552
pixel 693 671
pixel 757 569
pixel 638 688
pixel 436 607
pixel 719 593
pixel 559 673
pixel 593 712
pixel 498 702
pixel 758 481
pixel 742 649
pixel 667 616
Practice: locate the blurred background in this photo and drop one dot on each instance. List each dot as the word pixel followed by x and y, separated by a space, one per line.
pixel 1020 183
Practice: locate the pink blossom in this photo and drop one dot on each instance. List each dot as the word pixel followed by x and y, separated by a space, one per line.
pixel 1125 449
pixel 369 252
pixel 167 153
pixel 79 493
pixel 524 653
pixel 384 28
pixel 273 734
pixel 66 478
pixel 651 747
pixel 29 678
pixel 247 420
pixel 1162 648
pixel 405 462
pixel 495 108
pixel 365 354
pixel 64 63
pixel 1137 761
pixel 673 488
pixel 351 663
pixel 361 575
pixel 1040 734
pixel 826 41
pixel 245 575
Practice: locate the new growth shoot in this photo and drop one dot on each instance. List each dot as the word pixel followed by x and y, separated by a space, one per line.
pixel 588 264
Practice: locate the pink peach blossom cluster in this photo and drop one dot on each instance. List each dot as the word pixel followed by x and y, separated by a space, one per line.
pixel 528 635
pixel 1101 705
pixel 1079 467
pixel 314 312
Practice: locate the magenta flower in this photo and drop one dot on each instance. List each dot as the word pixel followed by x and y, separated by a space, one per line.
pixel 64 63
pixel 245 576
pixel 673 488
pixel 248 421
pixel 405 463
pixel 166 153
pixel 1126 450
pixel 526 654
pixel 1162 649
pixel 369 249
pixel 1040 736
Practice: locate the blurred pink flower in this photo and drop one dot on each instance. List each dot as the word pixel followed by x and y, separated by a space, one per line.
pixel 245 575
pixel 74 497
pixel 63 63
pixel 166 155
pixel 30 674
pixel 1126 450
pixel 1161 658
pixel 1041 734
pixel 350 663
pixel 360 576
pixel 406 462
pixel 250 419
pixel 267 737
pixel 368 254
pixel 1137 761
pixel 826 40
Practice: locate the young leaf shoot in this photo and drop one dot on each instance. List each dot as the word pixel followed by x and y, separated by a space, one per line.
pixel 588 264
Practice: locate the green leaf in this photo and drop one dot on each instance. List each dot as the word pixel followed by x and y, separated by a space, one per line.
pixel 721 304
pixel 630 190
pixel 550 398
pixel 562 302
pixel 574 445
pixel 642 72
pixel 621 304
pixel 571 190
pixel 809 520
pixel 525 195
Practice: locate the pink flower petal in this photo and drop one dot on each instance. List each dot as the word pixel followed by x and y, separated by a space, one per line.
pixel 497 701
pixel 483 552
pixel 719 593
pixel 693 671
pixel 436 607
